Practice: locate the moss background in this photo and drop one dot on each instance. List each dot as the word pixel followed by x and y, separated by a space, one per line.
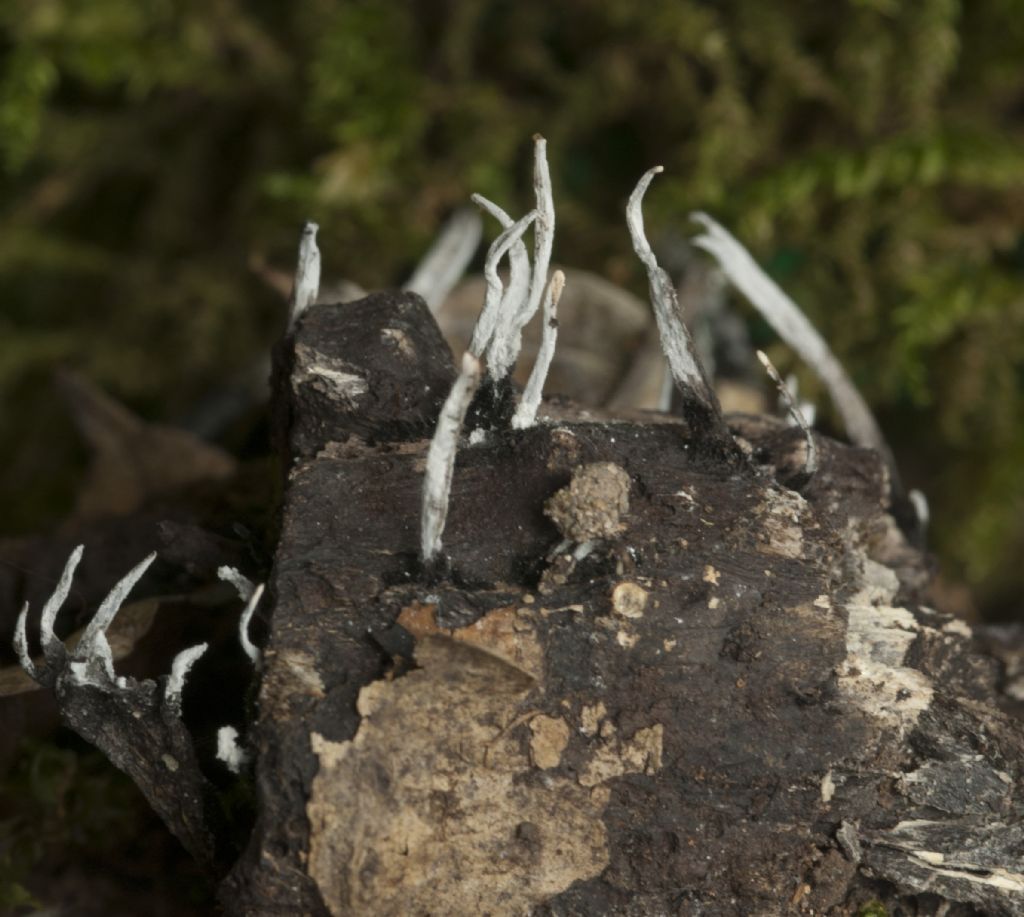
pixel 870 152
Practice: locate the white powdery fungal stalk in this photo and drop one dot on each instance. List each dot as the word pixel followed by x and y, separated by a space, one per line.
pixel 180 667
pixel 21 644
pixel 248 646
pixel 307 275
pixel 484 330
pixel 251 594
pixel 665 397
pixel 811 460
pixel 437 483
pixel 53 649
pixel 526 413
pixel 47 637
pixel 675 339
pixel 244 586
pixel 519 274
pixel 508 337
pixel 920 503
pixel 807 408
pixel 229 751
pixel 93 647
pixel 446 261
pixel 91 663
pixel 794 328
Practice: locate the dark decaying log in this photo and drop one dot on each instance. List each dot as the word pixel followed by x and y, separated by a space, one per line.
pixel 635 665
pixel 726 700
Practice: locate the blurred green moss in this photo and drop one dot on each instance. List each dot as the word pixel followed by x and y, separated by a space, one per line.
pixel 60 801
pixel 873 909
pixel 77 836
pixel 869 151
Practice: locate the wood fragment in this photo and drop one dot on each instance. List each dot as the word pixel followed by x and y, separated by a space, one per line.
pixel 683 663
pixel 136 723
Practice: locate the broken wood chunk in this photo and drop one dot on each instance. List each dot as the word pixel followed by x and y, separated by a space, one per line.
pixel 734 688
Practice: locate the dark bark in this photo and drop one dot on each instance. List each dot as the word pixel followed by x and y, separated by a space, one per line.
pixel 734 705
pixel 647 677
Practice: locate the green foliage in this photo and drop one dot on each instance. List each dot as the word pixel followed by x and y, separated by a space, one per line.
pixel 873 909
pixel 59 799
pixel 24 90
pixel 870 151
pixel 72 824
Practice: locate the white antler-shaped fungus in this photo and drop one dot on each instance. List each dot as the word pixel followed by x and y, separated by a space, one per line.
pixel 437 483
pixel 675 339
pixel 811 459
pixel 307 275
pixel 526 412
pixel 447 259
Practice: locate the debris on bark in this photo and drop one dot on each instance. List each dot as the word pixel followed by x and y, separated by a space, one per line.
pixel 592 504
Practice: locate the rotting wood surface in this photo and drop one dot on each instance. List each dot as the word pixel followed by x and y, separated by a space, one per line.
pixel 734 705
pixel 600 664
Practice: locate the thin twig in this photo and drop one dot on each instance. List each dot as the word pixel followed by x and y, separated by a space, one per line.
pixel 307 275
pixel 446 260
pixel 526 412
pixel 794 328
pixel 811 459
pixel 437 483
pixel 675 339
